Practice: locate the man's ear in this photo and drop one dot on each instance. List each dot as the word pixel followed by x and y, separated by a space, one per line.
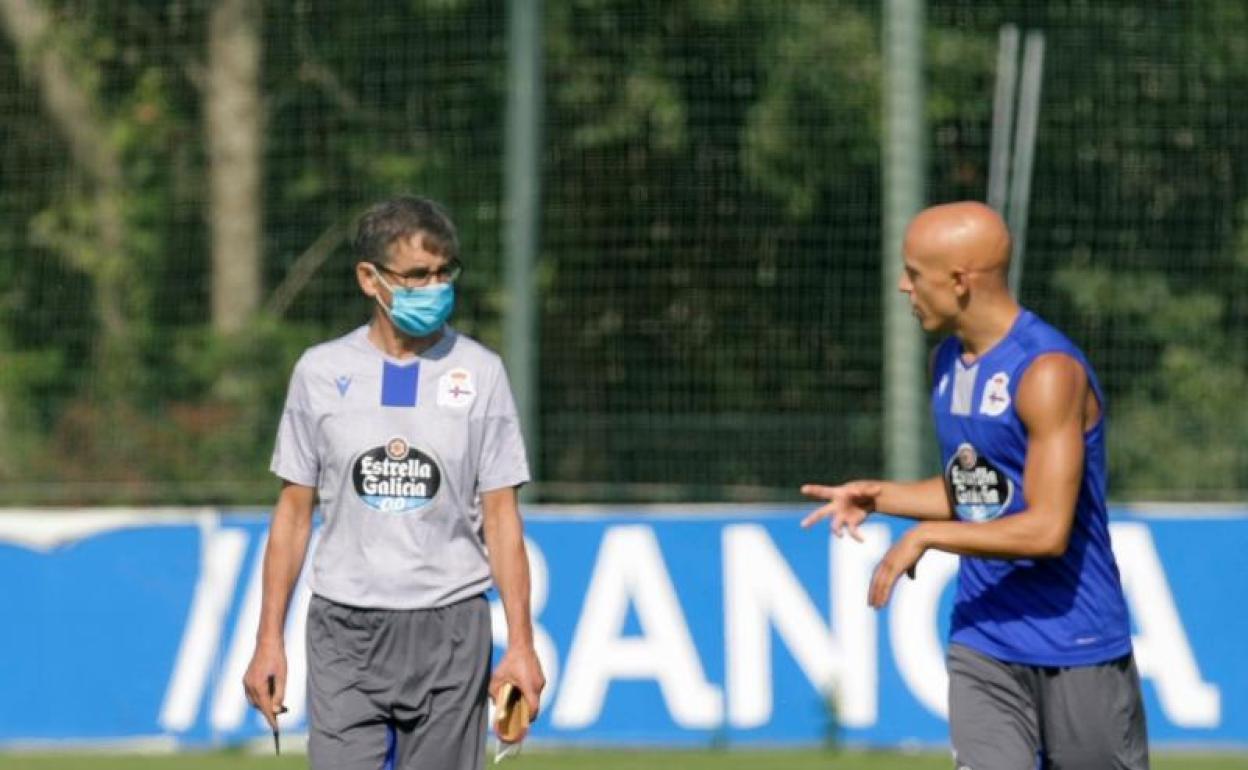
pixel 961 282
pixel 366 277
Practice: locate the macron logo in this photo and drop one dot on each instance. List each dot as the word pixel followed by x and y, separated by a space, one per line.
pixel 343 383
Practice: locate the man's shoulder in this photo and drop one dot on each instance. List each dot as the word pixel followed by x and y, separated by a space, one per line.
pixel 329 360
pixel 331 351
pixel 1037 336
pixel 470 351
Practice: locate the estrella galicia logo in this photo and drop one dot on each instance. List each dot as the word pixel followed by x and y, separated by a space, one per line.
pixel 396 477
pixel 980 490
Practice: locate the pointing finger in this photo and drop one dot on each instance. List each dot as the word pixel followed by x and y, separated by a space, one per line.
pixel 819 491
pixel 817 515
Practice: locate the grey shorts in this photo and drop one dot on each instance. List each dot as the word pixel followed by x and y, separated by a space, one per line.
pixel 397 688
pixel 1009 716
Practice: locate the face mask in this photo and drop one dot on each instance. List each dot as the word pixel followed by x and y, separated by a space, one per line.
pixel 418 312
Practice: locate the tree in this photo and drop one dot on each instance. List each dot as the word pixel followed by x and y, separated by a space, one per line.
pixel 89 231
pixel 233 133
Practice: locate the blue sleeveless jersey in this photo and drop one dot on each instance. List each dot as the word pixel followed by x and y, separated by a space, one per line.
pixel 1067 611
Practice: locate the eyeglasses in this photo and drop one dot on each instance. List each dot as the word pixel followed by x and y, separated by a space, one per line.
pixel 419 276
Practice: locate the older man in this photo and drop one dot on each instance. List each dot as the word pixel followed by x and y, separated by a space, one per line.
pixel 406 432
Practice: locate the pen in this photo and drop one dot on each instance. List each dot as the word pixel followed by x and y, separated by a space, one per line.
pixel 277 739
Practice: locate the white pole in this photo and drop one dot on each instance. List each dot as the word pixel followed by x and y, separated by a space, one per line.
pixel 1024 153
pixel 1003 117
pixel 522 176
pixel 905 139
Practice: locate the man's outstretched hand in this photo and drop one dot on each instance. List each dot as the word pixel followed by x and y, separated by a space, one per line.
pixel 847 506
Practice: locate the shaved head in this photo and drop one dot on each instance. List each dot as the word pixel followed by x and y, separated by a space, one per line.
pixel 957 263
pixel 967 236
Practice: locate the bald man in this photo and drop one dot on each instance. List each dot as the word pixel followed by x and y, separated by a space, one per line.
pixel 1041 671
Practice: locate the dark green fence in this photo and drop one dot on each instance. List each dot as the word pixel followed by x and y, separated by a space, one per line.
pixel 710 233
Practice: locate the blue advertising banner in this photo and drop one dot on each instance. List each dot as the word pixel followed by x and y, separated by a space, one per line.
pixel 725 626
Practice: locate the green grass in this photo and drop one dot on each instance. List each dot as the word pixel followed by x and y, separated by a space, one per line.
pixel 587 760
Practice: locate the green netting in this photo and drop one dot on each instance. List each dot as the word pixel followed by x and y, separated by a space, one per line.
pixel 359 100
pixel 1138 236
pixel 710 234
pixel 711 323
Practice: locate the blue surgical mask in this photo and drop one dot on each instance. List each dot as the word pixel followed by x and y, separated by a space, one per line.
pixel 421 311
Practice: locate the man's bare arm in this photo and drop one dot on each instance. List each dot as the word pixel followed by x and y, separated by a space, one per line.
pixel 1052 400
pixel 504 539
pixel 289 532
pixel 1052 403
pixel 849 504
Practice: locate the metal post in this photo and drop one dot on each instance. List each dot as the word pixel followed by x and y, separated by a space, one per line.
pixel 522 210
pixel 1014 143
pixel 904 179
pixel 1024 153
pixel 1003 117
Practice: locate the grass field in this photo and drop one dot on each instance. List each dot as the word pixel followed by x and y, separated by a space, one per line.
pixel 586 760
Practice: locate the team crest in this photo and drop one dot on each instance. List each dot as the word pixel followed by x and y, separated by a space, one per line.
pixel 456 389
pixel 980 490
pixel 397 448
pixel 396 477
pixel 996 397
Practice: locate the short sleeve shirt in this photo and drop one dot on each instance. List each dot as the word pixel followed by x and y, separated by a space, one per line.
pixel 399 451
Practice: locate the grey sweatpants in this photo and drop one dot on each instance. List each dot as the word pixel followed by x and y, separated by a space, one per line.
pixel 1009 716
pixel 407 686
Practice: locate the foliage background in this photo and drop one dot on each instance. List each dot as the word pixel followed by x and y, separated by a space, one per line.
pixel 710 290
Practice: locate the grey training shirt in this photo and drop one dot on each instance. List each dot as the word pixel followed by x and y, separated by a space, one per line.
pixel 399 451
